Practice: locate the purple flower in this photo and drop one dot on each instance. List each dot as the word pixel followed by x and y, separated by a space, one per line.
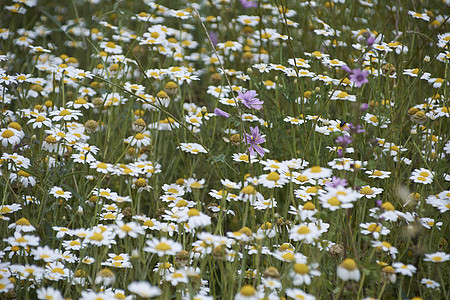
pixel 336 181
pixel 344 140
pixel 221 113
pixel 248 4
pixel 355 129
pixel 364 106
pixel 254 140
pixel 357 76
pixel 370 40
pixel 249 99
pixel 214 37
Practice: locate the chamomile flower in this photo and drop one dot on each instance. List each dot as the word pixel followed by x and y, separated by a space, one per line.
pixel 192 148
pixel 273 179
pixel 437 257
pixel 295 293
pixel 163 246
pixel 49 293
pixel 111 47
pixel 386 247
pixel 65 114
pixel 131 229
pixel 9 136
pixel 430 283
pixel 305 232
pixel 317 172
pixel 348 270
pixel 407 270
pixel 58 192
pixel 302 272
pixel 422 176
pixel 378 174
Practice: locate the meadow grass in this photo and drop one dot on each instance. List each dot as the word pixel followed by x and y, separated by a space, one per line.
pixel 224 149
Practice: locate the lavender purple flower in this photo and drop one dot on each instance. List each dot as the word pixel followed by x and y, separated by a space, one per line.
pixel 221 113
pixel 248 4
pixel 344 140
pixel 355 129
pixel 336 181
pixel 249 99
pixel 214 37
pixel 357 76
pixel 254 140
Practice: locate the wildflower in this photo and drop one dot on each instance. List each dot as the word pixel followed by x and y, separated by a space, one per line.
pixel 9 136
pixel 422 175
pixel 348 270
pixel 49 293
pixel 247 292
pixel 317 172
pixel 111 47
pixel 302 273
pixel 375 229
pixel 249 99
pixel 357 76
pixel 273 179
pixel 254 140
pixel 65 114
pixel 58 192
pixel 242 157
pixel 248 3
pixel 22 225
pixel 45 253
pixel 437 257
pixel 221 113
pixel 403 269
pixel 305 232
pixel 430 283
pixel 417 15
pixel 389 272
pixel 299 294
pixel 144 289
pixel 193 148
pixel 386 247
pixel 193 183
pixel 131 229
pixel 163 247
pixel 378 174
pixel 105 277
pixel 341 95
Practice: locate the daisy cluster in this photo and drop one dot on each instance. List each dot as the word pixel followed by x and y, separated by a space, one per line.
pixel 224 150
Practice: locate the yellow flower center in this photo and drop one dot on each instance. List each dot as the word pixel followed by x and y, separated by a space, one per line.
pixel 193 212
pixel 334 201
pixel 366 191
pixel 349 264
pixel 23 222
pixel 388 206
pixel 248 290
pixel 316 169
pixel 163 246
pixel 303 230
pixel 374 228
pixel 64 112
pixel 301 269
pixel 7 133
pixel 273 176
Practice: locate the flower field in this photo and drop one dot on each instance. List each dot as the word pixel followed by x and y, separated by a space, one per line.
pixel 224 149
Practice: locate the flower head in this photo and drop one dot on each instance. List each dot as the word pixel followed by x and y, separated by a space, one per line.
pixel 249 99
pixel 357 76
pixel 254 140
